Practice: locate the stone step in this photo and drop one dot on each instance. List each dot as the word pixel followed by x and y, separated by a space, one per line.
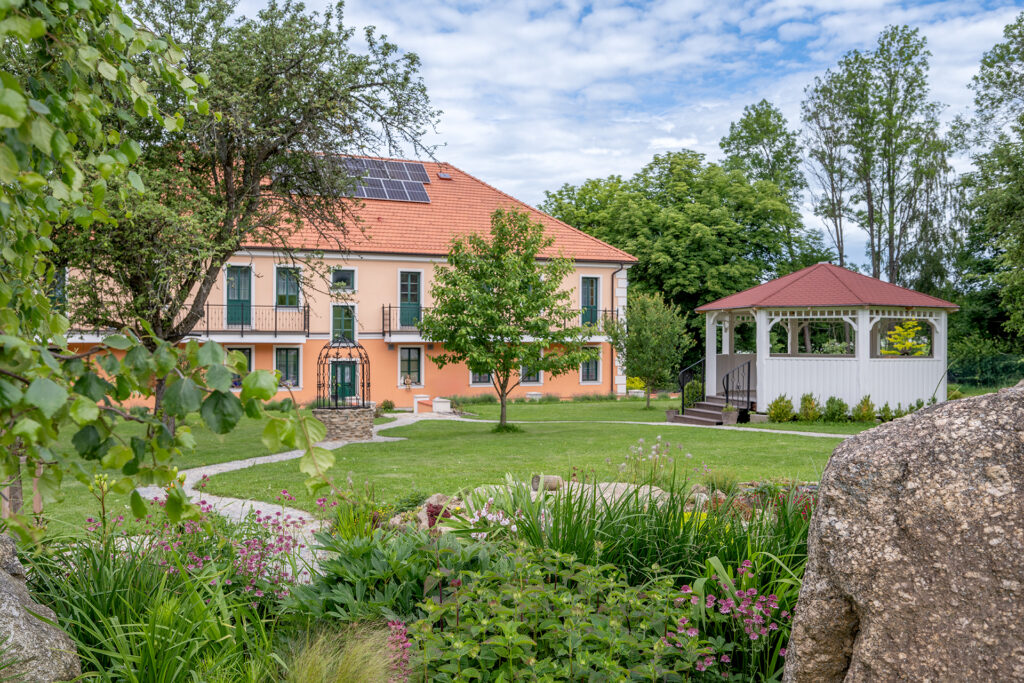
pixel 704 413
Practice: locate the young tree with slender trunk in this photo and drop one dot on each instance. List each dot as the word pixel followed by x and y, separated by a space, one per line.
pixel 501 310
pixel 649 344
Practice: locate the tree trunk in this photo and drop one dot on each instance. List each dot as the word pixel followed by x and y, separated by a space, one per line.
pixel 159 387
pixel 501 420
pixel 647 391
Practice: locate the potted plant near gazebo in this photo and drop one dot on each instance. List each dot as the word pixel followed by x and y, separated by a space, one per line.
pixel 730 414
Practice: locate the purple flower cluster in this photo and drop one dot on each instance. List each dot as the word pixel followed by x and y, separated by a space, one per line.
pixel 398 649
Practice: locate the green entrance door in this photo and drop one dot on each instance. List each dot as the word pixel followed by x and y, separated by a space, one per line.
pixel 408 299
pixel 343 380
pixel 239 295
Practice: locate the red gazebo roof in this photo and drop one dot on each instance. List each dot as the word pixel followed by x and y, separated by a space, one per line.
pixel 824 284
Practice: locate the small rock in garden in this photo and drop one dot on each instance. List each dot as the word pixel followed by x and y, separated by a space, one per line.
pixel 550 482
pixel 42 653
pixel 914 568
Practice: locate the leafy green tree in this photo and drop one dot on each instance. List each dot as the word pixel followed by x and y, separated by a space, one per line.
pixel 997 184
pixel 761 145
pixel 699 231
pixel 70 76
pixel 892 159
pixel 649 344
pixel 591 207
pixel 292 94
pixel 498 309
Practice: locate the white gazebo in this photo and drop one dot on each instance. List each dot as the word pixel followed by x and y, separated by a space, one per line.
pixel 827 331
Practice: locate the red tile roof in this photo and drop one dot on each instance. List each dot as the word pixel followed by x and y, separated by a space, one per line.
pixel 824 284
pixel 458 206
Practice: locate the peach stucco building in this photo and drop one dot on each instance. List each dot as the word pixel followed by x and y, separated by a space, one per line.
pixel 382 281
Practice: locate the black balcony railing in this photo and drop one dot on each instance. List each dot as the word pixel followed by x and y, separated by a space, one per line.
pixel 595 317
pixel 244 319
pixel 401 319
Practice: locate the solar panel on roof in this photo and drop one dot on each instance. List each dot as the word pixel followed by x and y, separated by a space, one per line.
pixel 417 172
pixel 396 190
pixel 374 188
pixel 417 193
pixel 397 170
pixel 375 168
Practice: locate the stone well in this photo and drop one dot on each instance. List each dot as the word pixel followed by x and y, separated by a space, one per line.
pixel 346 424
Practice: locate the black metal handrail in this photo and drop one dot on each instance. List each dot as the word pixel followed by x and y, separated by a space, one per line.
pixel 686 375
pixel 735 382
pixel 241 319
pixel 401 318
pixel 591 316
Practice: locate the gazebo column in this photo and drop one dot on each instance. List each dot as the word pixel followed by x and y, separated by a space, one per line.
pixel 710 354
pixel 940 349
pixel 763 347
pixel 862 350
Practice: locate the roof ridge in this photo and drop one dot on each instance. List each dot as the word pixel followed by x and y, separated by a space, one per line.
pixel 535 209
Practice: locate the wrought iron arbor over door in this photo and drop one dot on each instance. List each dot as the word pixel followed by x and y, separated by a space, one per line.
pixel 343 375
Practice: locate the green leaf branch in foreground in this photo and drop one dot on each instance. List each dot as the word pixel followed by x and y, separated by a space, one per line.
pixel 499 306
pixel 71 79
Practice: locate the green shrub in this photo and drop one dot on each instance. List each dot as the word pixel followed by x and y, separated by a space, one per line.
pixel 634 383
pixel 781 410
pixel 562 620
pixel 550 398
pixel 864 411
pixel 410 500
pixel 383 574
pixel 693 393
pixel 954 393
pixel 810 409
pixel 886 414
pixel 587 398
pixel 836 410
pixel 459 402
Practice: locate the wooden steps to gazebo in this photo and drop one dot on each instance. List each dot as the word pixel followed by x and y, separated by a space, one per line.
pixel 709 411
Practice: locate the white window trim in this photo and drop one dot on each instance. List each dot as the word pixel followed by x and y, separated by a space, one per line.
pixel 479 384
pixel 252 290
pixel 279 266
pixel 282 387
pixel 600 285
pixel 398 285
pixel 423 369
pixel 540 377
pixel 355 280
pixel 252 356
pixel 600 369
pixel 355 319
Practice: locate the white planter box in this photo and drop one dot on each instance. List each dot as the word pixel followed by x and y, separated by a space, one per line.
pixel 441 405
pixel 533 395
pixel 636 393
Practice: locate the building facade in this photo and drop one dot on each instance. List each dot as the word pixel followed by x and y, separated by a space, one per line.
pixel 377 288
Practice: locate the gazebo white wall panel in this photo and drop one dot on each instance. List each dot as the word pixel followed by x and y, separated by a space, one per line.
pixel 820 376
pixel 904 380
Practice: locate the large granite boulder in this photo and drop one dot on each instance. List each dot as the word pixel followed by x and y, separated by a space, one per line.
pixel 43 652
pixel 915 569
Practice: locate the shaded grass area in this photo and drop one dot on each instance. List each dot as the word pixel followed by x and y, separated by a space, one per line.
pixel 627 410
pixel 445 456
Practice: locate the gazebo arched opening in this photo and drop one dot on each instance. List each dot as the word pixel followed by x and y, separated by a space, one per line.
pixel 342 375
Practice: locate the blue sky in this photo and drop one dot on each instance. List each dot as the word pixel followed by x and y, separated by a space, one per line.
pixel 536 94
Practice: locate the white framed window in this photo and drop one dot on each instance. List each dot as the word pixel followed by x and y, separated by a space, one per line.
pixel 479 379
pixel 410 365
pixel 247 351
pixel 288 361
pixel 343 322
pixel 343 279
pixel 590 371
pixel 590 299
pixel 286 286
pixel 530 377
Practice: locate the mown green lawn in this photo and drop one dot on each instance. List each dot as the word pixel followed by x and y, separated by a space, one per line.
pixel 631 410
pixel 445 456
pixel 823 427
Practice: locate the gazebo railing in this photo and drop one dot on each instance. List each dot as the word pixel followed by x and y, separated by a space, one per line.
pixel 735 383
pixel 694 371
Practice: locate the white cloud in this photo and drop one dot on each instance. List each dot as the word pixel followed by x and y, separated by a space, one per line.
pixel 536 94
